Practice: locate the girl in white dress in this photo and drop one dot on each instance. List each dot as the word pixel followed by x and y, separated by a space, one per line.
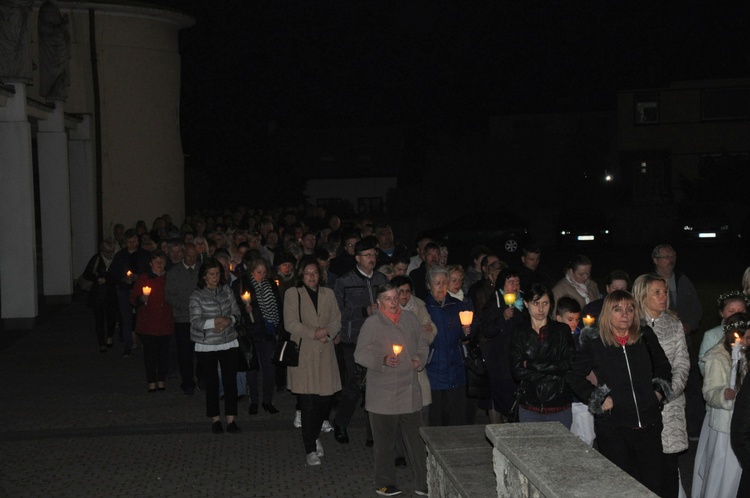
pixel 717 471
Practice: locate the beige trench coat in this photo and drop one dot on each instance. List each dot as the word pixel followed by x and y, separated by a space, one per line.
pixel 318 371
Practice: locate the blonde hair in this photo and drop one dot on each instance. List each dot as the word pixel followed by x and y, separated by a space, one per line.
pixel 606 330
pixel 641 287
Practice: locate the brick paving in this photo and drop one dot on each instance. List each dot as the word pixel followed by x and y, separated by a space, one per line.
pixel 78 423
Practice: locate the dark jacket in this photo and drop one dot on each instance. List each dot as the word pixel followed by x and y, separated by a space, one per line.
pixel 740 434
pixel 494 337
pixel 446 365
pixel 354 293
pixel 631 373
pixel 543 376
pixel 100 294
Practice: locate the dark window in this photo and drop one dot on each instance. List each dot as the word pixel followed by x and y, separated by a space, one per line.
pixel 646 108
pixel 725 103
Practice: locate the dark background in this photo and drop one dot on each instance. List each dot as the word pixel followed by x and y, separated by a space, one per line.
pixel 434 69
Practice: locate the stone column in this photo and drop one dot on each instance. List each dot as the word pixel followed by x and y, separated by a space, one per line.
pixel 54 203
pixel 82 194
pixel 18 272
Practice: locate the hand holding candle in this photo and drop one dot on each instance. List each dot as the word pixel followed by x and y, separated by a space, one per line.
pixel 588 321
pixel 246 296
pixel 466 317
pixel 146 293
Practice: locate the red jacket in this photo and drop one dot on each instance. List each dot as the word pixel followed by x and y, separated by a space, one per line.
pixel 154 317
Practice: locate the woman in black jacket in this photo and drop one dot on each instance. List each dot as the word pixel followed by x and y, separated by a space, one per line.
pixel 103 293
pixel 634 378
pixel 541 353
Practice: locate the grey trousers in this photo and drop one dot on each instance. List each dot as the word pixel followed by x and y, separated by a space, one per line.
pixel 385 429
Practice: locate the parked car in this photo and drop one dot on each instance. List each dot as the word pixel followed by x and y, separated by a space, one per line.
pixel 583 227
pixel 704 222
pixel 503 232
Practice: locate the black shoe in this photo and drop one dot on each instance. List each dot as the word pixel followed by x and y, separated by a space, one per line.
pixel 233 428
pixel 340 434
pixel 253 410
pixel 400 461
pixel 216 427
pixel 270 408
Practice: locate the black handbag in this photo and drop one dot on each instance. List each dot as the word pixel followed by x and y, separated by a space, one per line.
pixel 287 353
pixel 477 376
pixel 248 359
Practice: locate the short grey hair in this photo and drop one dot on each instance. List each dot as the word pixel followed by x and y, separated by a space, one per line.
pixel 657 249
pixel 434 272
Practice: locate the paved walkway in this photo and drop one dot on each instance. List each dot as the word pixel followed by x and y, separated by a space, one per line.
pixel 77 423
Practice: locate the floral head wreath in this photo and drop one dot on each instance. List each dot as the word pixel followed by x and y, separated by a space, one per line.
pixel 740 326
pixel 733 294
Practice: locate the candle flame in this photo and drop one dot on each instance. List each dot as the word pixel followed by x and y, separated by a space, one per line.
pixel 246 296
pixel 147 291
pixel 466 317
pixel 509 298
pixel 397 348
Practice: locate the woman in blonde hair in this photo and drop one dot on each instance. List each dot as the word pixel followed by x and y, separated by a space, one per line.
pixel 633 375
pixel 651 292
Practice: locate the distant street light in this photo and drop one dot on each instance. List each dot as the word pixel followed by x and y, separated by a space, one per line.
pixel 607 176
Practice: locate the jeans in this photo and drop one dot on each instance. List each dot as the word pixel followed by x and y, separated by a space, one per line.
pixel 264 350
pixel 565 417
pixel 315 409
pixel 636 451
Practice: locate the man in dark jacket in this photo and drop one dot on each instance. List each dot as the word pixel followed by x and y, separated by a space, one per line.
pixel 355 293
pixel 741 436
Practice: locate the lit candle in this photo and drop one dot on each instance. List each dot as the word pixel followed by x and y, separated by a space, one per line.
pixel 231 267
pixel 588 320
pixel 278 284
pixel 736 352
pixel 129 274
pixel 397 348
pixel 510 298
pixel 466 317
pixel 147 291
pixel 246 296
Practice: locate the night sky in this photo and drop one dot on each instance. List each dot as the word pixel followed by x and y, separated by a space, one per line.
pixel 252 67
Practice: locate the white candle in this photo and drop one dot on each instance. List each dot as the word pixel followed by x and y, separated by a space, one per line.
pixel 466 317
pixel 736 351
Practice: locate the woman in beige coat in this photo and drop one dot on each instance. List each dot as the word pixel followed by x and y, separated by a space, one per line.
pixel 313 319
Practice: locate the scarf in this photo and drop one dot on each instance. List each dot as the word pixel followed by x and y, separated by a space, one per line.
pixel 266 300
pixel 394 317
pixel 581 289
pixel 458 295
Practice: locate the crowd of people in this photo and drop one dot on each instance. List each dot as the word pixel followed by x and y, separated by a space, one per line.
pixel 366 316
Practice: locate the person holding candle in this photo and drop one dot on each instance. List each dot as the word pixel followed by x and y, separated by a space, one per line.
pixel 652 295
pixel 633 376
pixel 262 320
pixel 103 295
pixel 313 319
pixel 716 472
pixel 392 347
pixel 500 317
pixel 577 282
pixel 446 369
pixel 729 303
pixel 541 352
pixel 213 315
pixel 126 265
pixel 154 321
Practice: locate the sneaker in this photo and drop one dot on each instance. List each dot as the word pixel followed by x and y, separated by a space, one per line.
pixel 388 491
pixel 312 458
pixel 421 493
pixel 319 448
pixel 297 419
pixel 327 427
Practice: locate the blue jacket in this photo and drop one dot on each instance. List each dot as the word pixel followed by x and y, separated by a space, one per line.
pixel 446 365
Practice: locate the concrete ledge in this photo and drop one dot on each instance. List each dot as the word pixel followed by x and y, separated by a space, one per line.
pixel 546 459
pixel 459 461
